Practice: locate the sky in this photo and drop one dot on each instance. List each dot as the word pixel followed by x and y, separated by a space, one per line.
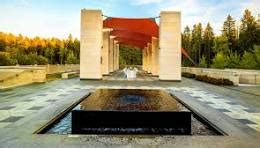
pixel 58 18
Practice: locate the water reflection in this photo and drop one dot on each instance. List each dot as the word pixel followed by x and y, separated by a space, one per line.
pixel 127 99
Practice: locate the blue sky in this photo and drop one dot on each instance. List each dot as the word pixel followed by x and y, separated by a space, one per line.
pixel 58 18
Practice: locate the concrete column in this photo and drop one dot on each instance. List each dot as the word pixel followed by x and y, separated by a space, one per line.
pixel 105 52
pixel 149 57
pixel 114 55
pixel 117 57
pixel 111 53
pixel 170 46
pixel 90 44
pixel 145 58
pixel 155 56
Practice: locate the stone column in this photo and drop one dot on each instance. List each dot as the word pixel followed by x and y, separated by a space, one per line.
pixel 170 46
pixel 105 52
pixel 90 44
pixel 111 53
pixel 155 56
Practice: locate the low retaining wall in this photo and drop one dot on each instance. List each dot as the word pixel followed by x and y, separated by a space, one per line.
pixel 247 76
pixel 214 73
pixel 13 76
pixel 237 76
pixel 53 69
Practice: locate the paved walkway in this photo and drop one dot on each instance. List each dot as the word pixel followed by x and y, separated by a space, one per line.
pixel 25 109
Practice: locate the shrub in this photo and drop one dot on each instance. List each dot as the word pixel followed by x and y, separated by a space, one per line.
pixel 220 61
pixel 248 61
pixel 30 59
pixel 215 81
pixel 188 75
pixel 41 60
pixel 203 62
pixel 71 59
pixel 5 59
pixel 233 61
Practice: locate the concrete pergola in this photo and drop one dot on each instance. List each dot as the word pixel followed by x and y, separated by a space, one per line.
pixel 99 49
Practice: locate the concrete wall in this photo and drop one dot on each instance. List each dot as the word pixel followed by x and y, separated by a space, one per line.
pixel 170 46
pixel 247 76
pixel 90 44
pixel 214 73
pixel 53 69
pixel 13 76
pixel 18 76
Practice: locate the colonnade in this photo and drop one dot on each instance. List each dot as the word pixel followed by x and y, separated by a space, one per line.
pixel 99 51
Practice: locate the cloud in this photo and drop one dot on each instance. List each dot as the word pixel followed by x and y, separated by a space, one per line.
pixel 143 2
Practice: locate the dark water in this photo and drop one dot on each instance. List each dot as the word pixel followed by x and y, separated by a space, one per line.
pixel 128 99
pixel 137 100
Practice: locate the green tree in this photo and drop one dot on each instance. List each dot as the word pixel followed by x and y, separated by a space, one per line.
pixel 186 44
pixel 233 60
pixel 5 59
pixel 186 39
pixel 197 42
pixel 220 60
pixel 257 55
pixel 229 31
pixel 71 59
pixel 203 62
pixel 221 45
pixel 248 61
pixel 248 32
pixel 208 39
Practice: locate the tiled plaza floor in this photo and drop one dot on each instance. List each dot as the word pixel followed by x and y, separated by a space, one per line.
pixel 24 110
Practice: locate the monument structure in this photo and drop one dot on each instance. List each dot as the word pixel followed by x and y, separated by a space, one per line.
pixel 101 36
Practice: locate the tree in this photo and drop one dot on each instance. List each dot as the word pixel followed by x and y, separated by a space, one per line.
pixel 197 41
pixel 5 59
pixel 186 39
pixel 71 59
pixel 220 60
pixel 221 45
pixel 186 44
pixel 229 31
pixel 233 60
pixel 257 56
pixel 248 32
pixel 208 38
pixel 203 62
pixel 248 61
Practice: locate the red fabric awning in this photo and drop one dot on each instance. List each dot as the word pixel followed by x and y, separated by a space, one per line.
pixel 130 31
pixel 135 32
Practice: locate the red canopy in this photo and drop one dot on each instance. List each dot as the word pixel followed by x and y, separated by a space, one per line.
pixel 131 31
pixel 134 31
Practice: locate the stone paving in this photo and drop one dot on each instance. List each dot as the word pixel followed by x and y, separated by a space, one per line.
pixel 234 110
pixel 28 108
